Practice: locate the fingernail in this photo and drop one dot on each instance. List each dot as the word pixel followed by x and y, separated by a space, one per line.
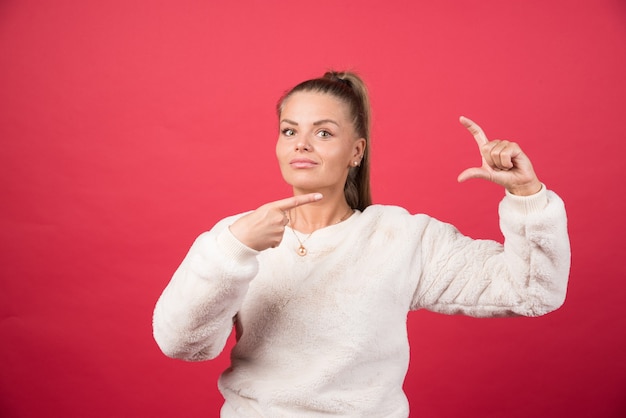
pixel 318 196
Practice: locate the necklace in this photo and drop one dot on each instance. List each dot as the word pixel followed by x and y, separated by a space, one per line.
pixel 302 251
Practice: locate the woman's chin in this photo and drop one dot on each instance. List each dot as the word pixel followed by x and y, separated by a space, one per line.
pixel 303 182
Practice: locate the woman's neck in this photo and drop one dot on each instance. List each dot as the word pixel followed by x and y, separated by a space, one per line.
pixel 313 216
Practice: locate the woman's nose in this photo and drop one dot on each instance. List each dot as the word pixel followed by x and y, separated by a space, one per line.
pixel 303 145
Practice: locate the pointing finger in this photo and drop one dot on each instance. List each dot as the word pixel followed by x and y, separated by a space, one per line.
pixel 294 201
pixel 475 130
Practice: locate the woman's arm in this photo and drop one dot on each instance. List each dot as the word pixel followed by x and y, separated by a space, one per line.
pixel 194 315
pixel 526 276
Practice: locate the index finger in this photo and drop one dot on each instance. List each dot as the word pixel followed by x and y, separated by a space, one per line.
pixel 299 200
pixel 475 130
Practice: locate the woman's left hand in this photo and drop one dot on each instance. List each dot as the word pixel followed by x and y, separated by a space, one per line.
pixel 504 163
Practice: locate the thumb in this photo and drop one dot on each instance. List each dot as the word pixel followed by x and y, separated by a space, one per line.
pixel 473 173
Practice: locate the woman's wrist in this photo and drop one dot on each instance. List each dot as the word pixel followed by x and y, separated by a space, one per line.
pixel 528 189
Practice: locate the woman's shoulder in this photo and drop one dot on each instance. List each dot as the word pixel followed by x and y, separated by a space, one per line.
pixel 380 209
pixel 390 221
pixel 391 213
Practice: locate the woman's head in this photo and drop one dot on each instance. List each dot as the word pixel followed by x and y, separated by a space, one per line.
pixel 349 89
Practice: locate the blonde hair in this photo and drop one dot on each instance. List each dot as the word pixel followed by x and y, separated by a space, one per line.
pixel 350 88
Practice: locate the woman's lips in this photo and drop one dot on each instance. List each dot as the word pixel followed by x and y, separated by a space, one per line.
pixel 302 163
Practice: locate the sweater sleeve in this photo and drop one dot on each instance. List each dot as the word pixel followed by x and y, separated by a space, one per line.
pixel 526 276
pixel 194 315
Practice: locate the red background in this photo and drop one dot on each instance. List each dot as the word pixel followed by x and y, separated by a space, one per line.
pixel 129 127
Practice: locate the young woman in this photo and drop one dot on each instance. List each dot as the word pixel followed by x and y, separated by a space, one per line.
pixel 318 285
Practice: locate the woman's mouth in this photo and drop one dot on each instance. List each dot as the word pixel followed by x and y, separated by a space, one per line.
pixel 302 163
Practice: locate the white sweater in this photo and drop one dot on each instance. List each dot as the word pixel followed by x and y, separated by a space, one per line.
pixel 325 334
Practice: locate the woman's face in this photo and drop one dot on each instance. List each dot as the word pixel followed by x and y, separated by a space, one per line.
pixel 317 143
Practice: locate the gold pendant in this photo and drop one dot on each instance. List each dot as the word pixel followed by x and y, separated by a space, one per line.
pixel 301 251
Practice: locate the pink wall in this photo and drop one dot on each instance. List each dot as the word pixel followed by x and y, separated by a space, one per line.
pixel 129 127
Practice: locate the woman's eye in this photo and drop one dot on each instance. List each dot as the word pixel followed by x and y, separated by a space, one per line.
pixel 324 134
pixel 288 132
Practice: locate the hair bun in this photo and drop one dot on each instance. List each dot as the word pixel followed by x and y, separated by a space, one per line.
pixel 338 77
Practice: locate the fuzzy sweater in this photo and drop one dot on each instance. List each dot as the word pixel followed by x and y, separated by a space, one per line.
pixel 325 334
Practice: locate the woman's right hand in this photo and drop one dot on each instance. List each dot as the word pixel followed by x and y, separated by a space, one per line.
pixel 264 227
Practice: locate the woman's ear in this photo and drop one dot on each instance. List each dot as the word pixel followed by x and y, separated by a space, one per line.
pixel 359 149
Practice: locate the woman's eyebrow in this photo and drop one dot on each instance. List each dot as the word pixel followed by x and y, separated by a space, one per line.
pixel 319 122
pixel 323 121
